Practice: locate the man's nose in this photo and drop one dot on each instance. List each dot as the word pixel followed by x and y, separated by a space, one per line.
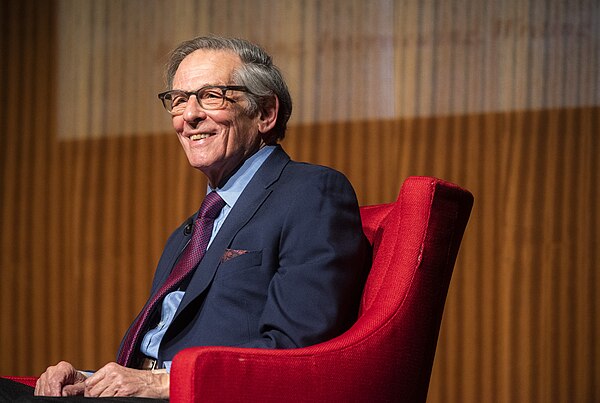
pixel 193 112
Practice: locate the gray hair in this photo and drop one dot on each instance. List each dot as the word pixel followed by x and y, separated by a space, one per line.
pixel 258 73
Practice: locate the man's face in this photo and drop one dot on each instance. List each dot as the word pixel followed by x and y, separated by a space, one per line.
pixel 214 141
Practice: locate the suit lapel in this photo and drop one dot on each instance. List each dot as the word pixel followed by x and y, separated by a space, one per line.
pixel 250 200
pixel 164 269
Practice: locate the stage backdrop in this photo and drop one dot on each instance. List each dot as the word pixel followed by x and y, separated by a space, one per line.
pixel 501 97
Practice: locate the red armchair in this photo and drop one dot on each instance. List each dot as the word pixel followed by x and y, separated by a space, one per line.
pixel 388 353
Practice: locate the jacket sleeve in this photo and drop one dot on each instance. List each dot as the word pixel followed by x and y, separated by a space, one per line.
pixel 315 292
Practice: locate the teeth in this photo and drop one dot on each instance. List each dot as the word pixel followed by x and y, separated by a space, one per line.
pixel 199 136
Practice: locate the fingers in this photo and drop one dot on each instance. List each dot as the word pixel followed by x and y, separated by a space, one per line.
pixel 104 381
pixel 74 390
pixel 116 380
pixel 51 382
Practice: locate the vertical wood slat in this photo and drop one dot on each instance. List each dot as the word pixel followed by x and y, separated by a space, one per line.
pixel 24 239
pixel 84 218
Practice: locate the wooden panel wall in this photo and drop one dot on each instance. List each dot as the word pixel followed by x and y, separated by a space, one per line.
pixel 500 97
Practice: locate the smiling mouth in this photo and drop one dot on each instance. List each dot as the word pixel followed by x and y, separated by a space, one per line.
pixel 202 136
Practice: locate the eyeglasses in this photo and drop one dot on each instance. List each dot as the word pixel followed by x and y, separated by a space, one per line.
pixel 210 97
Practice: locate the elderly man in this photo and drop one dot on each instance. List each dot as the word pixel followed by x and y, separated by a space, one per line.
pixel 279 260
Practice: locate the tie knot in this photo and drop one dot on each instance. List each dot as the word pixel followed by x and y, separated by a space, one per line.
pixel 211 206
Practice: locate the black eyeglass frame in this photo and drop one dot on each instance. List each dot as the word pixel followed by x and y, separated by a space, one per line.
pixel 224 88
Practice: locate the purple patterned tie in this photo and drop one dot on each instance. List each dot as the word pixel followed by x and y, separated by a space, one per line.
pixel 193 253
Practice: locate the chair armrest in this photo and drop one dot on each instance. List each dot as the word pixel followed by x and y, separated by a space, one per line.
pixel 218 374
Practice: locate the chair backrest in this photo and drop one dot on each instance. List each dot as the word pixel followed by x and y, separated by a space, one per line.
pixel 415 243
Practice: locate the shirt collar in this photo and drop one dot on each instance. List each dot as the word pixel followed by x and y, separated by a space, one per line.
pixel 233 188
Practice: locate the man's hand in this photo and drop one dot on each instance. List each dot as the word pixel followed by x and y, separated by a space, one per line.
pixel 116 380
pixel 56 378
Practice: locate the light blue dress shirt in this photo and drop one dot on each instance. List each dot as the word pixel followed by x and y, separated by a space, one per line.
pixel 230 193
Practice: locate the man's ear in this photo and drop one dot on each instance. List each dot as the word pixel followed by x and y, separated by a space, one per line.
pixel 268 117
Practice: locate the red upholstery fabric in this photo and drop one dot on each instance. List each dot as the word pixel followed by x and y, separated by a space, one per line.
pixel 388 354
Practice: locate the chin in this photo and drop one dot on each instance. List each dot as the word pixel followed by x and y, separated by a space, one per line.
pixel 198 160
pixel 199 166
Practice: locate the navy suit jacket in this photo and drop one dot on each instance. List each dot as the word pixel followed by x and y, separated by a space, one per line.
pixel 285 270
